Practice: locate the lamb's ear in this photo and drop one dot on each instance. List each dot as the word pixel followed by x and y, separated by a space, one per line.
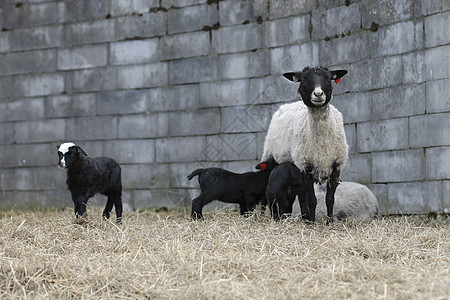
pixel 337 74
pixel 81 151
pixel 261 166
pixel 293 76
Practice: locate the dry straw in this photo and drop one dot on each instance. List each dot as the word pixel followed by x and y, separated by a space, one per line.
pixel 167 256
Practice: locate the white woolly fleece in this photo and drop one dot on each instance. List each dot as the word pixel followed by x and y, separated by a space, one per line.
pixel 304 136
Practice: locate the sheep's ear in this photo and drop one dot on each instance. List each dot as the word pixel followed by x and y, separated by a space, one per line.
pixel 261 166
pixel 293 76
pixel 81 151
pixel 337 74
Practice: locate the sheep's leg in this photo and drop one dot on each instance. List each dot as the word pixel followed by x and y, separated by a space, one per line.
pixel 263 204
pixel 119 208
pixel 197 206
pixel 312 201
pixel 333 182
pixel 303 200
pixel 108 207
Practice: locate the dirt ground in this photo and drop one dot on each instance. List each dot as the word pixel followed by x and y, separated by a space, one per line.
pixel 165 255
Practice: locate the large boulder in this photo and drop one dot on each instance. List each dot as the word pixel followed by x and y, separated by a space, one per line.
pixel 351 200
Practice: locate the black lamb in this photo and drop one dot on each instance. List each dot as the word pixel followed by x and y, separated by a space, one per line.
pixel 88 176
pixel 285 182
pixel 246 189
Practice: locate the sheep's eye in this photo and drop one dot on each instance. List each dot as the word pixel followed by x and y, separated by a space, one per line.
pixel 302 80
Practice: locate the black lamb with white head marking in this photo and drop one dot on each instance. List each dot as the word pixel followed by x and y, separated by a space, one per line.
pixel 88 176
pixel 246 189
pixel 310 133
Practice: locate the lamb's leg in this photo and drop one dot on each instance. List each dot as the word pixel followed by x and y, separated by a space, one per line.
pixel 119 208
pixel 108 207
pixel 197 206
pixel 312 200
pixel 333 182
pixel 303 201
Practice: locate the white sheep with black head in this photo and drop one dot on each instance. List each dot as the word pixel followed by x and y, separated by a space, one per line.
pixel 310 133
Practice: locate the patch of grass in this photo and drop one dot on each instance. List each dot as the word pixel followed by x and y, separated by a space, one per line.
pixel 167 256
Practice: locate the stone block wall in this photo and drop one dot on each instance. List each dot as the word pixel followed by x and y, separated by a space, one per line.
pixel 167 86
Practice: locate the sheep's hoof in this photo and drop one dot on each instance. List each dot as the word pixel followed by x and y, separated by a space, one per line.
pixel 329 220
pixel 81 220
pixel 196 216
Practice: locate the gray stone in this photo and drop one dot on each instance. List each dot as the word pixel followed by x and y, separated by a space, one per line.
pixel 38 85
pixel 424 7
pixel 29 155
pixel 358 168
pixel 428 130
pixel 397 166
pixel 398 102
pixel 143 126
pixel 185 45
pixel 350 135
pixel 24 109
pixel 227 147
pixel 225 93
pixel 198 122
pixel 244 65
pixel 131 151
pixel 134 52
pixel 273 89
pixel 28 62
pixel 148 176
pixel 438 95
pixel 43 178
pixel 294 58
pixel 175 98
pixel 29 15
pixel 438 163
pixel 344 50
pixel 446 196
pixel 245 119
pixel 284 8
pixel 414 68
pixel 140 26
pixel 89 32
pixel 385 12
pixel 36 38
pixel 91 128
pixel 235 12
pixel 6 133
pixel 381 193
pixel 180 149
pixel 76 10
pixel 122 102
pixel 334 21
pixel 437 61
pixel 355 107
pixel 192 18
pixel 286 31
pixel 126 7
pixel 415 197
pixel 193 70
pixel 383 135
pixel 236 38
pixel 95 79
pixel 67 106
pixel 436 32
pixel 140 76
pixel 83 57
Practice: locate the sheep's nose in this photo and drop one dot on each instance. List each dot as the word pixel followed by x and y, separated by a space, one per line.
pixel 318 93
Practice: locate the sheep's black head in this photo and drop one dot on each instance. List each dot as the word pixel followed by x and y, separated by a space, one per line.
pixel 315 84
pixel 267 165
pixel 68 153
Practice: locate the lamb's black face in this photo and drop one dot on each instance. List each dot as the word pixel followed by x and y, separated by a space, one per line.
pixel 66 155
pixel 315 84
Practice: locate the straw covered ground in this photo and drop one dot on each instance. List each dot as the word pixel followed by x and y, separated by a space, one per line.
pixel 167 256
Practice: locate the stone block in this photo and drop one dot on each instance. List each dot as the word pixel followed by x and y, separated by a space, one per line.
pixel 350 135
pixel 4 41
pixel 397 39
pixel 83 57
pixel 227 147
pixel 76 10
pixel 355 107
pixel 261 8
pixel 287 31
pixel 380 192
pixel 428 130
pixel 36 38
pixel 95 79
pixel 424 7
pixel 6 86
pixel 6 133
pixel 131 151
pixel 181 149
pixel 134 52
pixel 140 76
pixel 438 163
pixel 24 109
pixel 245 118
pixel 437 61
pixel 235 12
pixel 91 128
pixel 244 65
pixel 284 8
pixel 414 68
pixel 181 3
pixel 236 38
pixel 294 58
pixel 143 126
pixel 149 176
pixel 438 95
pixel 384 12
pixel 193 70
pixel 446 196
pixel 436 29
pixel 28 62
pixel 185 45
pixel 122 102
pixel 39 85
pixel 344 50
pixel 415 197
pixel 398 102
pixel 324 23
pixel 397 166
pixel 38 179
pixel 357 168
pixel 31 15
pixel 175 98
pixel 89 32
pixel 224 93
pixel 70 106
pixel 127 7
pixel 140 26
pixel 273 89
pixel 383 135
pixel 197 122
pixel 29 155
pixel 192 18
